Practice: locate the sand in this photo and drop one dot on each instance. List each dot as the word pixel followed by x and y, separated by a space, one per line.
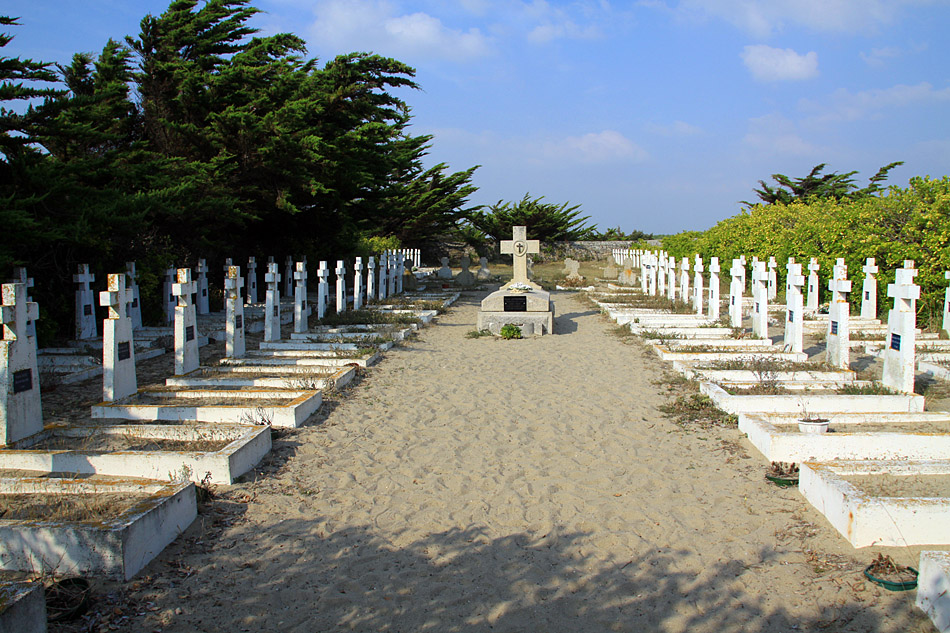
pixel 488 485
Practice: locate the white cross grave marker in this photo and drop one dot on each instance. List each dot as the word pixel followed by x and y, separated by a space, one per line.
pixel 370 279
pixel 869 290
pixel 21 410
pixel 186 327
pixel 169 301
pixel 712 308
pixel 794 306
pixel 202 303
pixel 301 309
pixel 85 305
pixel 358 283
pixel 519 247
pixel 736 288
pixel 251 280
pixel 235 341
pixel 323 289
pixel 288 276
pixel 773 279
pixel 945 326
pixel 135 308
pixel 381 282
pixel 760 300
pixel 839 319
pixel 684 279
pixel 118 346
pixel 811 300
pixel 899 359
pixel 698 285
pixel 272 303
pixel 340 286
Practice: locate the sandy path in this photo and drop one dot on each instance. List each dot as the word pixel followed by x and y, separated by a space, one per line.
pixel 481 484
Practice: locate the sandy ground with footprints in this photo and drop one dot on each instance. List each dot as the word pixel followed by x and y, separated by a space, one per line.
pixel 475 484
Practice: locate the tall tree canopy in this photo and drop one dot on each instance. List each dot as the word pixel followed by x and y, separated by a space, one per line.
pixel 819 186
pixel 546 221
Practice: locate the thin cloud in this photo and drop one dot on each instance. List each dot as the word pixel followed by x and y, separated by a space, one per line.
pixel 775 135
pixel 378 25
pixel 878 57
pixel 777 64
pixel 844 105
pixel 595 147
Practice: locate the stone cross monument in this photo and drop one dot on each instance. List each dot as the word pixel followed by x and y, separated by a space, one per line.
pixel 118 349
pixel 899 359
pixel 21 410
pixel 234 343
pixel 186 327
pixel 519 247
pixel 794 306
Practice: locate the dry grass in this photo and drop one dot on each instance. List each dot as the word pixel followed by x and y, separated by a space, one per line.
pixel 67 507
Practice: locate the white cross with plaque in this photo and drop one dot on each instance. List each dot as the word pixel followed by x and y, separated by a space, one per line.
pixel 519 247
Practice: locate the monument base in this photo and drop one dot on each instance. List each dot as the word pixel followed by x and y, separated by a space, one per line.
pixel 532 311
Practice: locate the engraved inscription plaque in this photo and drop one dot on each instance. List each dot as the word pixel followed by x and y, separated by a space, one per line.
pixel 190 333
pixel 22 380
pixel 516 304
pixel 124 350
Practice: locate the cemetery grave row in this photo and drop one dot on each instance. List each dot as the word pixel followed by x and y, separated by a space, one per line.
pixel 207 425
pixel 882 475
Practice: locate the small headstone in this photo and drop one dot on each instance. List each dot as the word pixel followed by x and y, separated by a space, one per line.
pixel 698 285
pixel 899 352
pixel 21 410
pixel 234 343
pixel 202 303
pixel 340 286
pixel 85 305
pixel 323 287
pixel 794 307
pixel 839 317
pixel 251 280
pixel 736 288
pixel 445 272
pixel 118 349
pixel 529 268
pixel 186 327
pixel 611 272
pixel 760 300
pixel 465 278
pixel 811 299
pixel 409 281
pixel 572 268
pixel 135 308
pixel 869 290
pixel 272 303
pixel 301 309
pixel 358 283
pixel 773 279
pixel 483 273
pixel 712 308
pixel 626 276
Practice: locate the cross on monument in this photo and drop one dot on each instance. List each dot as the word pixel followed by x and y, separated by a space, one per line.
pixel 17 310
pixel 185 287
pixel 519 247
pixel 117 298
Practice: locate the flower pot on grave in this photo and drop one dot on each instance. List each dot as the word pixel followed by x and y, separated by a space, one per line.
pixel 888 574
pixel 817 425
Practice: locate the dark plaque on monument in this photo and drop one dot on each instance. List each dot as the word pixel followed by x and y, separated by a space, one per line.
pixel 124 350
pixel 135 302
pixel 834 328
pixel 204 292
pixel 22 380
pixel 87 310
pixel 896 342
pixel 189 333
pixel 239 321
pixel 515 303
pixel 276 310
pixel 791 316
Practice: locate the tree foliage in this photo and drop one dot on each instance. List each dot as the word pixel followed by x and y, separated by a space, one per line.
pixel 198 137
pixel 817 185
pixel 546 221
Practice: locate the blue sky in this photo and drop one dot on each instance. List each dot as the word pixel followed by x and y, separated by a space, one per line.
pixel 658 115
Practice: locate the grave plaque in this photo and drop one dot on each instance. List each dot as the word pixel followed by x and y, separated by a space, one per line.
pixel 87 309
pixel 135 302
pixel 22 380
pixel 239 321
pixel 834 327
pixel 514 303
pixel 896 342
pixel 124 350
pixel 791 316
pixel 276 310
pixel 190 333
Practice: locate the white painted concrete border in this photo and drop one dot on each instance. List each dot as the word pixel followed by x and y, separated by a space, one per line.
pixel 117 548
pixel 667 354
pixel 886 521
pixel 933 588
pixel 311 376
pixel 811 403
pixel 22 607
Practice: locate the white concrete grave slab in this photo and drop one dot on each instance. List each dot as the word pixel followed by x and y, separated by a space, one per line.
pixel 135 308
pixel 899 350
pixel 251 281
pixel 269 376
pixel 186 324
pixel 838 334
pixel 809 402
pixel 933 588
pixel 698 285
pixel 794 308
pixel 21 409
pixel 202 303
pixel 306 358
pixel 715 354
pixel 241 447
pixel 773 279
pixel 235 345
pixel 869 290
pixel 760 300
pixel 272 303
pixel 851 436
pixel 811 300
pixel 118 348
pixel 169 300
pixel 712 308
pixel 864 519
pixel 22 607
pixel 116 548
pixel 340 286
pixel 301 307
pixel 358 283
pixel 736 287
pixel 85 304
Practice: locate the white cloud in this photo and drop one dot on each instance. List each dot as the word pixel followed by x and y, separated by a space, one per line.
pixel 774 134
pixel 378 26
pixel 878 56
pixel 762 18
pixel 844 105
pixel 595 147
pixel 677 129
pixel 553 22
pixel 776 64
